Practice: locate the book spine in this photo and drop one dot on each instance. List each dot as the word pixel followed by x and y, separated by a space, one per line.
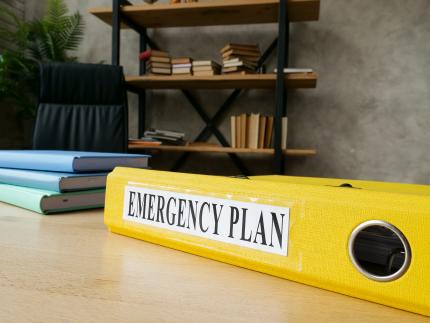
pixel 233 131
pixel 240 222
pixel 21 197
pixel 33 182
pixel 284 132
pixel 58 164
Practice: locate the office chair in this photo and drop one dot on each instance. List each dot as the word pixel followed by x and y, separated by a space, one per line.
pixel 81 107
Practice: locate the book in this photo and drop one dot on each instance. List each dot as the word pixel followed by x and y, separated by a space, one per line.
pixel 206 63
pixel 241 64
pixel 284 132
pixel 243 53
pixel 248 127
pixel 204 68
pixel 153 59
pixel 269 132
pixel 243 130
pixel 158 53
pixel 238 69
pixel 295 70
pixel 316 232
pixel 182 70
pixel 152 53
pixel 239 46
pixel 248 59
pixel 238 132
pixel 69 161
pixel 167 136
pixel 168 133
pixel 52 181
pixel 164 71
pixel 182 60
pixel 49 202
pixel 174 66
pixel 261 131
pixel 233 131
pixel 253 132
pixel 151 64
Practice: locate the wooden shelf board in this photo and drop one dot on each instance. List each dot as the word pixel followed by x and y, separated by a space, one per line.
pixel 219 149
pixel 224 81
pixel 212 13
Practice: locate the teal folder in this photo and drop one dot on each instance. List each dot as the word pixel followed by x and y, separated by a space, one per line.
pixel 48 202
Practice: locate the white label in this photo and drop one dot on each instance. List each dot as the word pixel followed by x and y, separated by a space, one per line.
pixel 257 226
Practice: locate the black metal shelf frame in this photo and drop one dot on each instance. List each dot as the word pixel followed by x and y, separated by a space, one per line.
pixel 212 123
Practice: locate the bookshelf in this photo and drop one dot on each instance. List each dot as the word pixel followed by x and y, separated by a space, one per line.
pixel 223 81
pixel 220 149
pixel 212 13
pixel 140 17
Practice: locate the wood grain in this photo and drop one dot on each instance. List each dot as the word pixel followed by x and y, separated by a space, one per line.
pixel 225 81
pixel 212 13
pixel 69 268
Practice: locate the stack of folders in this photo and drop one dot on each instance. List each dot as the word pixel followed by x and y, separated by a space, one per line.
pixel 182 66
pixel 157 62
pixel 255 131
pixel 240 58
pixel 165 136
pixel 206 68
pixel 59 181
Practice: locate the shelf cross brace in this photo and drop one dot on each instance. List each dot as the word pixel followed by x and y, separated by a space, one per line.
pixel 213 129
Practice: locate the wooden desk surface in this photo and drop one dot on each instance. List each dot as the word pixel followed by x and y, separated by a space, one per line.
pixel 69 268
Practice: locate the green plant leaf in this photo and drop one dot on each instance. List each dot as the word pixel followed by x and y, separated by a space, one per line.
pixel 73 32
pixel 34 42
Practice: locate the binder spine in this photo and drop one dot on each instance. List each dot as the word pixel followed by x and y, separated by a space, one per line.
pixel 367 244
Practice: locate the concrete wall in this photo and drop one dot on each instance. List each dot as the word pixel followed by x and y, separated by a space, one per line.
pixel 369 116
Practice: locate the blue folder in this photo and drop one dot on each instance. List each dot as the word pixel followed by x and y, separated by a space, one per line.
pixel 52 181
pixel 69 161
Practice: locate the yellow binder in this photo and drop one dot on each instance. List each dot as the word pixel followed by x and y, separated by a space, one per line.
pixel 369 241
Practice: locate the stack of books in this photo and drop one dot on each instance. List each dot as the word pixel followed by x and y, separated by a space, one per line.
pixel 240 58
pixel 206 68
pixel 255 131
pixel 59 181
pixel 157 62
pixel 165 136
pixel 182 66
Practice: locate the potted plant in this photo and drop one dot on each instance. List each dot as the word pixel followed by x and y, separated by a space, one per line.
pixel 49 39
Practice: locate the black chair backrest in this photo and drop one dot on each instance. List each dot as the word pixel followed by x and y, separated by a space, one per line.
pixel 82 107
